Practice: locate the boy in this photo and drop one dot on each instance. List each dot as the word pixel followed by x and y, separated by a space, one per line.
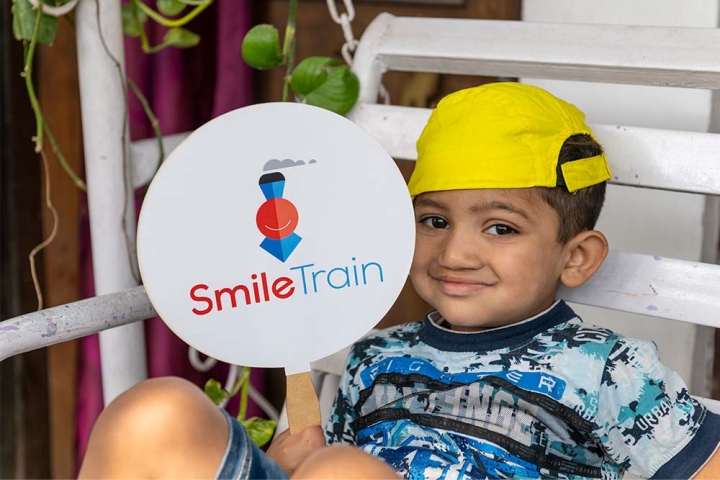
pixel 501 380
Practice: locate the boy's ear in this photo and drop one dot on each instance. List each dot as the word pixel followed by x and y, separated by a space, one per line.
pixel 587 252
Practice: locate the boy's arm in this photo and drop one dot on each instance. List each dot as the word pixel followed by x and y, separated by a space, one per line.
pixel 659 447
pixel 711 470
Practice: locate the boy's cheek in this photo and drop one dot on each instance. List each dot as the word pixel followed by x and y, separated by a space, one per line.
pixel 415 278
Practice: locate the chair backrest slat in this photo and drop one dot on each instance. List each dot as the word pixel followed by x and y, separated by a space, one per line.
pixel 654 286
pixel 641 157
pixel 682 57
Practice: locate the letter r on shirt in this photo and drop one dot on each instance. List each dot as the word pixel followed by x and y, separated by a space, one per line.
pixel 548 382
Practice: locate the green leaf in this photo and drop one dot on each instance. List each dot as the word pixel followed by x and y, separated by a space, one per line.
pixel 215 391
pixel 132 24
pixel 311 73
pixel 170 7
pixel 339 92
pixel 48 29
pixel 17 22
pixel 181 38
pixel 261 47
pixel 24 16
pixel 259 429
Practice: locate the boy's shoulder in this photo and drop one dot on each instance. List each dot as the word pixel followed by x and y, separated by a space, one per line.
pixel 398 337
pixel 597 341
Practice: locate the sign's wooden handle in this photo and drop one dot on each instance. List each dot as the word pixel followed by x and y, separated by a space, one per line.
pixel 303 408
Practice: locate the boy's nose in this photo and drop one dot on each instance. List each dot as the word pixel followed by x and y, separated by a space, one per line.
pixel 460 252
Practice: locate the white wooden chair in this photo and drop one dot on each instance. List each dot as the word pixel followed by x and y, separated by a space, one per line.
pixel 667 160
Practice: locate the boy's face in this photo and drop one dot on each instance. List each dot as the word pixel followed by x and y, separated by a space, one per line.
pixel 486 258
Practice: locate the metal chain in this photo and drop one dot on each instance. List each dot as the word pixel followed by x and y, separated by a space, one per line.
pixel 344 19
pixel 334 13
pixel 348 49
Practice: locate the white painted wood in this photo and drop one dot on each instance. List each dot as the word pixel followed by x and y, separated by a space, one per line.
pixel 641 157
pixel 145 155
pixel 643 55
pixel 110 198
pixel 366 65
pixel 78 319
pixel 654 286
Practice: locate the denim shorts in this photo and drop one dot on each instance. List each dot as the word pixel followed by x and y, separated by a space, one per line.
pixel 243 459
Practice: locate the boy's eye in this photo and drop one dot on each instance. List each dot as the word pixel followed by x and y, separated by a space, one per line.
pixel 435 222
pixel 500 229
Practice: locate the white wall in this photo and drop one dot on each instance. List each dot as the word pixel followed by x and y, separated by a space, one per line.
pixel 661 223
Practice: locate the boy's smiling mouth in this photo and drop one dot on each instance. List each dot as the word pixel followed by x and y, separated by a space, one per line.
pixel 456 286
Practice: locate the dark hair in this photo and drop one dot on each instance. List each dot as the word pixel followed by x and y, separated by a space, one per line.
pixel 577 211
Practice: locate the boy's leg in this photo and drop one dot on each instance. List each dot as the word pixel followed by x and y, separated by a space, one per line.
pixel 161 428
pixel 343 462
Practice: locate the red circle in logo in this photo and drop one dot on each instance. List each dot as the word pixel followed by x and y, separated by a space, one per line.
pixel 277 218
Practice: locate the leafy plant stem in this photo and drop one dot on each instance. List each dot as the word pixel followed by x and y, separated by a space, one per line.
pixel 173 23
pixel 245 382
pixel 53 233
pixel 154 123
pixel 143 36
pixel 41 125
pixel 154 49
pixel 27 73
pixel 79 183
pixel 289 49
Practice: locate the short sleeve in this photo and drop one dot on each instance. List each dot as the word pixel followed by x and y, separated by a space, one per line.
pixel 646 415
pixel 339 428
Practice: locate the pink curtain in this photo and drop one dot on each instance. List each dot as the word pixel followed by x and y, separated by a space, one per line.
pixel 186 88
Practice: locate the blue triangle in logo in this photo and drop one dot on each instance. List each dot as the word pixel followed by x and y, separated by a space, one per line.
pixel 281 249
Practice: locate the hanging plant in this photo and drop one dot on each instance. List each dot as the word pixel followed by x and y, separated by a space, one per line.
pixel 135 15
pixel 35 22
pixel 320 81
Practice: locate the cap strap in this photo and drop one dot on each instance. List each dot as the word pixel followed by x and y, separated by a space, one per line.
pixel 584 173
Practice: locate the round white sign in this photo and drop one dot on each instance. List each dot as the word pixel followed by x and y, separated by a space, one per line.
pixel 275 235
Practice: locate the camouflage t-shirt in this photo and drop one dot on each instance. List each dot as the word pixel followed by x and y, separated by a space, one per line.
pixel 547 397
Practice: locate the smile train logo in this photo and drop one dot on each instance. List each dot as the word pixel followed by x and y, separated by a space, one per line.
pixel 277 218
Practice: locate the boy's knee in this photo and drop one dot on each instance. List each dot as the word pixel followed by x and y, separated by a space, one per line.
pixel 158 418
pixel 162 411
pixel 343 462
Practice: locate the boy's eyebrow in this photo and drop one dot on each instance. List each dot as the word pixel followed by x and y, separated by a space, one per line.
pixel 498 205
pixel 426 202
pixel 478 207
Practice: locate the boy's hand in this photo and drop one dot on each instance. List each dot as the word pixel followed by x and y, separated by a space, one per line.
pixel 289 451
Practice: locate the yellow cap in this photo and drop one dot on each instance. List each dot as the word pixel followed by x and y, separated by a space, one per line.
pixel 502 135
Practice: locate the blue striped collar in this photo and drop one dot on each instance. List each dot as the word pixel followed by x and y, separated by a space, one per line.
pixel 435 335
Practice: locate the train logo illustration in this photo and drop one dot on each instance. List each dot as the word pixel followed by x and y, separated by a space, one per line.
pixel 277 218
